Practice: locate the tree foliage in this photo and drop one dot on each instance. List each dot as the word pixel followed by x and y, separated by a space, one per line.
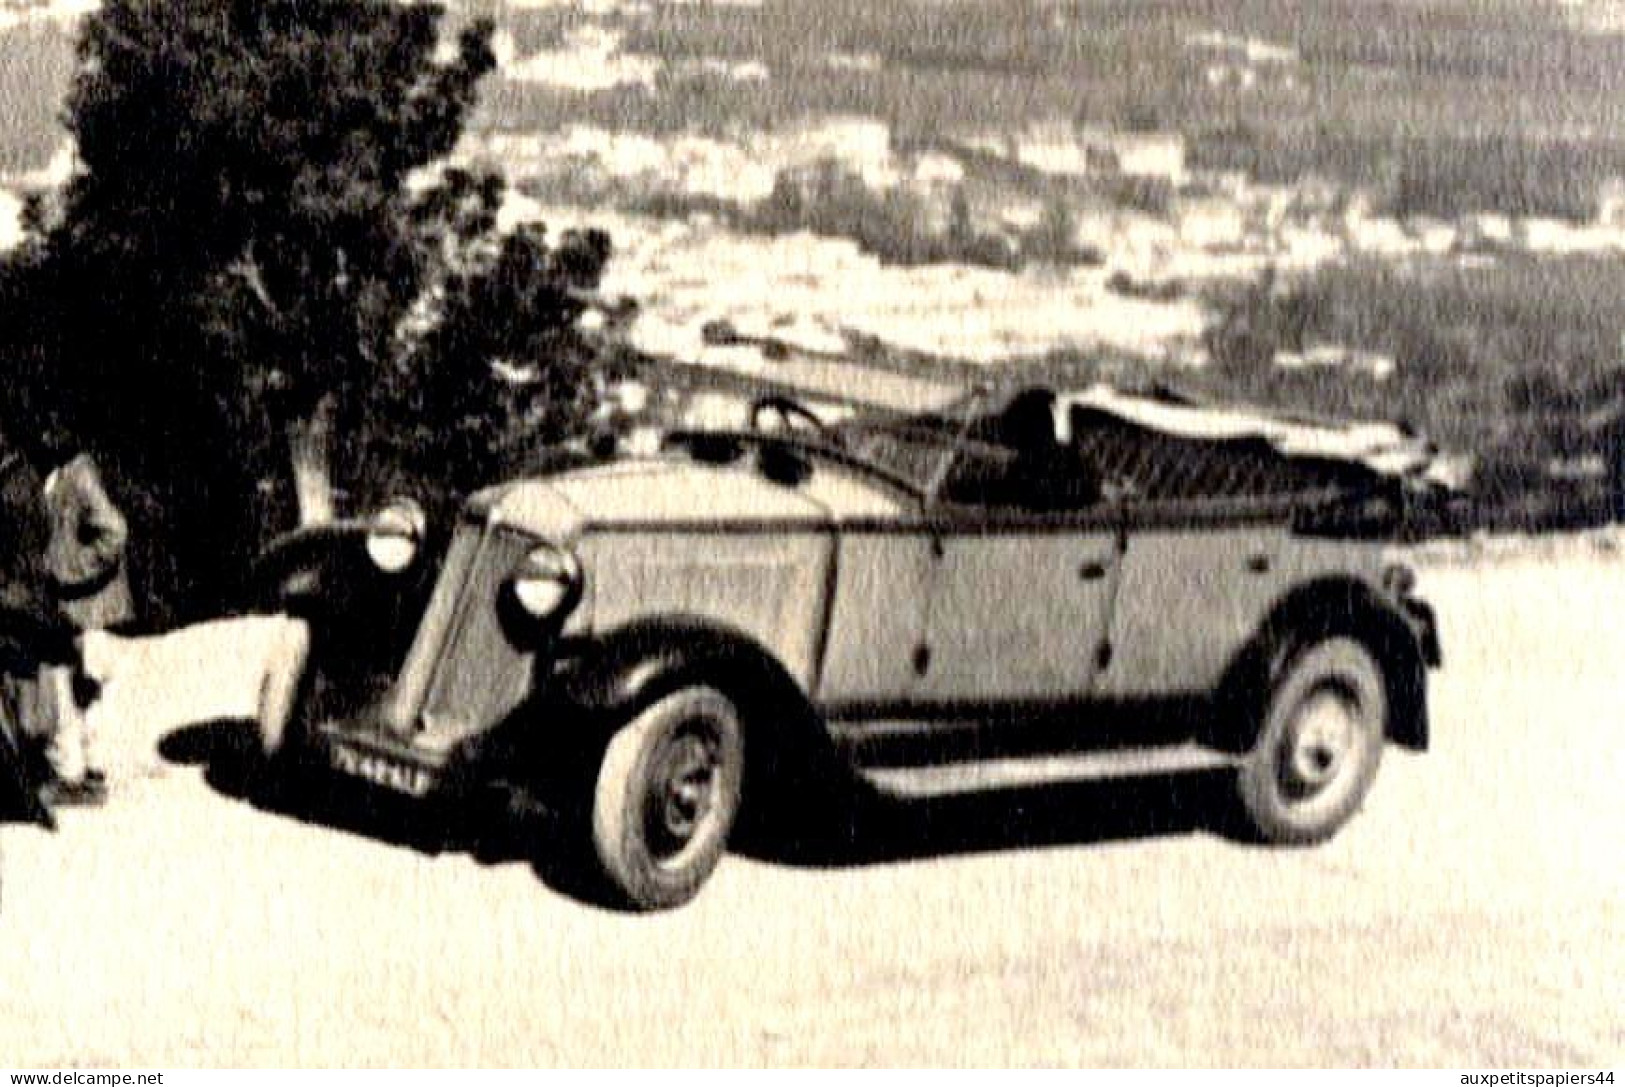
pixel 264 225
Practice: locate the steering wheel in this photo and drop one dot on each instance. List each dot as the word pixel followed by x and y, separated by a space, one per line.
pixel 782 413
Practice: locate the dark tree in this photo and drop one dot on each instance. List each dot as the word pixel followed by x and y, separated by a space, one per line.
pixel 263 251
pixel 496 374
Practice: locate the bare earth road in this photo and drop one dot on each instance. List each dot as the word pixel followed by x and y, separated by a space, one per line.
pixel 1473 915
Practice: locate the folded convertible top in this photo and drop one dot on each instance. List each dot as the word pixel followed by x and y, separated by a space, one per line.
pixel 1383 448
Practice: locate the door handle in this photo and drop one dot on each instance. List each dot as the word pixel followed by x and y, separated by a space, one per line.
pixel 1093 571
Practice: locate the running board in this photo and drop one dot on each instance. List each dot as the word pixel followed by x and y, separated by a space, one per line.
pixel 1020 773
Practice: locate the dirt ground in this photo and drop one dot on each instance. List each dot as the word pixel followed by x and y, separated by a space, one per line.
pixel 1471 916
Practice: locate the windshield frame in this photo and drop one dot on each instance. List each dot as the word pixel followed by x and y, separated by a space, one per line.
pixel 946 435
pixel 943 434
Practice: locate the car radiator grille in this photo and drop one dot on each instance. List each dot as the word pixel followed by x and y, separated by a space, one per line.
pixel 464 673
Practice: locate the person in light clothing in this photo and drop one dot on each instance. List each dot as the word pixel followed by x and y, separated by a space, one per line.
pixel 89 584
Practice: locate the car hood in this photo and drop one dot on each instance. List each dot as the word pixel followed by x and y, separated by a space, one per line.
pixel 650 493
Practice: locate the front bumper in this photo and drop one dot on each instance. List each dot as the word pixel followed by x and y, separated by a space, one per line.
pixel 373 754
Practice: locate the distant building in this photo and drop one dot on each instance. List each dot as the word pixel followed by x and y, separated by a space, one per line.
pixel 1150 154
pixel 1061 148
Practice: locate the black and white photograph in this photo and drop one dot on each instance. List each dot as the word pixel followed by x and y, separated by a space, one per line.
pixel 777 534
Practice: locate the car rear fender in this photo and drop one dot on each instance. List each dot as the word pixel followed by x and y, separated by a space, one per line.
pixel 1404 644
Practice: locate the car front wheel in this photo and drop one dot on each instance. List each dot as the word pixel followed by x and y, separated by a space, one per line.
pixel 1319 742
pixel 666 794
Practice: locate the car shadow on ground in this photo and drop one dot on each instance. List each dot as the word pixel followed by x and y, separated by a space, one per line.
pixel 853 828
pixel 225 750
pixel 486 828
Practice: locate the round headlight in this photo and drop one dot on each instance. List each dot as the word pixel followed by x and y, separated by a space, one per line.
pixel 547 581
pixel 395 534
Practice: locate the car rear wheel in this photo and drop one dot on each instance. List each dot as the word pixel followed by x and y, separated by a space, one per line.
pixel 666 795
pixel 1319 742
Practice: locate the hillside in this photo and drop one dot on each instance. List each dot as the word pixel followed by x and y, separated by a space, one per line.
pixel 1303 201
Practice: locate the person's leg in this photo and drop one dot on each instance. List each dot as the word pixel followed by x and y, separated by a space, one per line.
pixel 74 782
pixel 22 770
pixel 65 747
pixel 98 650
pixel 87 700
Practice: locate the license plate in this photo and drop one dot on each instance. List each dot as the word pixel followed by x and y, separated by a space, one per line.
pixel 394 774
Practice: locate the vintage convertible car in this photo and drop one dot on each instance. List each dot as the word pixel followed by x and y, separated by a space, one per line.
pixel 1020 588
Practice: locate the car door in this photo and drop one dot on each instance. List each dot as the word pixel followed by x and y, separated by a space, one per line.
pixel 1026 560
pixel 1199 577
pixel 876 618
pixel 1018 607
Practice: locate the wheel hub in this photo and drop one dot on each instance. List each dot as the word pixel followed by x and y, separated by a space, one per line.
pixel 1323 736
pixel 683 792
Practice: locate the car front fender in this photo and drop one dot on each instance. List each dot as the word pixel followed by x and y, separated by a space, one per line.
pixel 298 566
pixel 612 676
pixel 600 684
pixel 323 572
